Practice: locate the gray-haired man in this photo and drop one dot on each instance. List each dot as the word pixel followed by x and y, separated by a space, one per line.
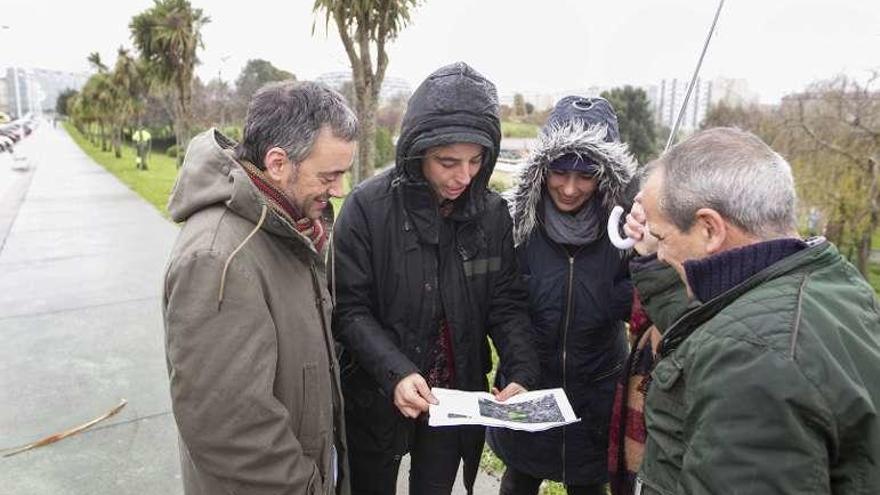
pixel 254 385
pixel 768 383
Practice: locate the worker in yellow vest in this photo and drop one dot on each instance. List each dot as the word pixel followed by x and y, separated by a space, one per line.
pixel 142 142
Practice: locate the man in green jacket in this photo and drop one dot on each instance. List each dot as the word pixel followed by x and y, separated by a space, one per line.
pixel 770 382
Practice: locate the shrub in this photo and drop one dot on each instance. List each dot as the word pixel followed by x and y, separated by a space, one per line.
pixel 500 182
pixel 232 132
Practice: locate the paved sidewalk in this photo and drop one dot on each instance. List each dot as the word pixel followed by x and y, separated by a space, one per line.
pixel 81 263
pixel 80 282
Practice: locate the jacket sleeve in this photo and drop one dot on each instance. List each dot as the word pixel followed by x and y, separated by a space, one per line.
pixel 662 293
pixel 222 362
pixel 354 323
pixel 621 298
pixel 755 424
pixel 509 320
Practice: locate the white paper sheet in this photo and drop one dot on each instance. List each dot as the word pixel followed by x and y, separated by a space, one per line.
pixel 530 411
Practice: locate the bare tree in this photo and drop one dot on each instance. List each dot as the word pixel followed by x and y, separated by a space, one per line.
pixel 833 135
pixel 365 28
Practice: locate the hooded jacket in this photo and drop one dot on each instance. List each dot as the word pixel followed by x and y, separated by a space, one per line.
pixel 579 298
pixel 254 382
pixel 400 264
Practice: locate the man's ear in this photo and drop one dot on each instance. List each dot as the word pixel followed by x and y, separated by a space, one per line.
pixel 713 228
pixel 276 164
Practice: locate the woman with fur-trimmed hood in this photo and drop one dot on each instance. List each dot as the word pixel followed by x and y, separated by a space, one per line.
pixel 579 292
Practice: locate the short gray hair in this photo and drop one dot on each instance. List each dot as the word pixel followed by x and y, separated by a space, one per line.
pixel 734 173
pixel 289 115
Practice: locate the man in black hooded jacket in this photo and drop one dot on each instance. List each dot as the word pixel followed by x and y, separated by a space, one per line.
pixel 424 272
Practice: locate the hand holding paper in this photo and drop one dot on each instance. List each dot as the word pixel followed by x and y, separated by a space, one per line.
pixel 412 396
pixel 529 411
pixel 509 391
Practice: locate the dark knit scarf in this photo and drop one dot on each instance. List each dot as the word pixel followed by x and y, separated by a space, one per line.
pixel 710 277
pixel 574 229
pixel 278 202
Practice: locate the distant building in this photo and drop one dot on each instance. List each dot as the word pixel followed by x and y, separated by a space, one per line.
pixel 38 89
pixel 53 83
pixel 666 99
pixel 391 86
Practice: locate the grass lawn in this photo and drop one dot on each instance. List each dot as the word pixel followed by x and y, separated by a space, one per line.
pixel 518 130
pixel 153 184
pixel 874 276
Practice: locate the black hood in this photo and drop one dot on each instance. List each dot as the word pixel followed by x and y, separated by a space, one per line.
pixel 455 104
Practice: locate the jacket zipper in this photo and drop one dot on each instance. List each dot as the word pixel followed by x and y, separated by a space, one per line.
pixel 565 343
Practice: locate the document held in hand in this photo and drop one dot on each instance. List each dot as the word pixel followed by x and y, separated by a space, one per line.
pixel 530 411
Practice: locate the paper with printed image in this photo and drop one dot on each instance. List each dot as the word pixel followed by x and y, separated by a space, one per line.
pixel 530 411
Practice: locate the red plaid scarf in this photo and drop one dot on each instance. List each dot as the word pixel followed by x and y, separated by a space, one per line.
pixel 627 432
pixel 277 200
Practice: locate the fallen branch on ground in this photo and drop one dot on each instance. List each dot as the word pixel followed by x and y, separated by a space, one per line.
pixel 64 434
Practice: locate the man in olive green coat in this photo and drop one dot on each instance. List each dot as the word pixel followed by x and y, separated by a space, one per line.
pixel 770 382
pixel 254 383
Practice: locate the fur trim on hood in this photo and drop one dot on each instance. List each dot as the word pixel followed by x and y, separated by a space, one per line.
pixel 616 170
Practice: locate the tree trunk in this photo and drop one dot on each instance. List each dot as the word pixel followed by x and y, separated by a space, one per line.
pixel 366 101
pixel 117 142
pixel 367 140
pixel 178 139
pixel 864 254
pixel 864 258
pixel 184 98
pixel 834 231
pixel 179 125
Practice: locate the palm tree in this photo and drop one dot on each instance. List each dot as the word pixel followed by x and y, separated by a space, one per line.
pixel 94 59
pixel 79 112
pixel 167 36
pixel 131 83
pixel 366 27
pixel 99 94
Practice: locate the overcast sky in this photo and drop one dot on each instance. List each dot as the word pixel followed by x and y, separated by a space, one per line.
pixel 778 46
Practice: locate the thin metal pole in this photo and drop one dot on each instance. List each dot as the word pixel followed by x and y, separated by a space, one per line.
pixel 693 82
